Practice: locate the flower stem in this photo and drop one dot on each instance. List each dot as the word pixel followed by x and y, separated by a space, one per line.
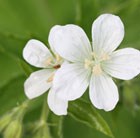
pixel 44 117
pixel 45 111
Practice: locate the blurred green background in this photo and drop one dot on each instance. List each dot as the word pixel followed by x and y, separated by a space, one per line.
pixel 26 19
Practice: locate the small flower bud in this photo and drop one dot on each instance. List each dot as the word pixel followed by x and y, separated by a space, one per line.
pixel 4 121
pixel 14 130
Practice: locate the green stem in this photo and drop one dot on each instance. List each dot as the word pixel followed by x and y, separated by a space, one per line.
pixel 45 111
pixel 44 117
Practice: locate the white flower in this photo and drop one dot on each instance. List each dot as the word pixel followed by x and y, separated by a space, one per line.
pixel 38 55
pixel 93 65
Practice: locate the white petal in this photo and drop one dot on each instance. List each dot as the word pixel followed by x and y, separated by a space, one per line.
pixel 70 42
pixel 36 53
pixel 57 105
pixel 38 83
pixel 103 92
pixel 71 81
pixel 123 64
pixel 107 33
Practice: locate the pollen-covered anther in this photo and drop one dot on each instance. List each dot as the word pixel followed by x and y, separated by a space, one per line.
pixel 88 63
pixel 97 70
pixel 48 61
pixel 105 57
pixel 57 66
pixel 50 79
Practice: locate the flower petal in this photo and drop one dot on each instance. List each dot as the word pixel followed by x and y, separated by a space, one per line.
pixel 36 53
pixel 123 64
pixel 71 81
pixel 103 92
pixel 107 33
pixel 38 83
pixel 57 105
pixel 70 42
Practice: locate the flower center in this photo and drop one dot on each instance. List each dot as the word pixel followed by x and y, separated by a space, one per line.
pixel 95 63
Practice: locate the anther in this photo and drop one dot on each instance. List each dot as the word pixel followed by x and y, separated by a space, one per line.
pixel 57 66
pixel 88 63
pixel 50 79
pixel 105 57
pixel 97 69
pixel 48 61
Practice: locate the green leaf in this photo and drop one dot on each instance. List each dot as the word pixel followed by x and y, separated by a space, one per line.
pixel 85 113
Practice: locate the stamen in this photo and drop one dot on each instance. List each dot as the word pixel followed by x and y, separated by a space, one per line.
pixel 105 57
pixel 97 70
pixel 57 66
pixel 48 61
pixel 88 63
pixel 58 58
pixel 50 79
